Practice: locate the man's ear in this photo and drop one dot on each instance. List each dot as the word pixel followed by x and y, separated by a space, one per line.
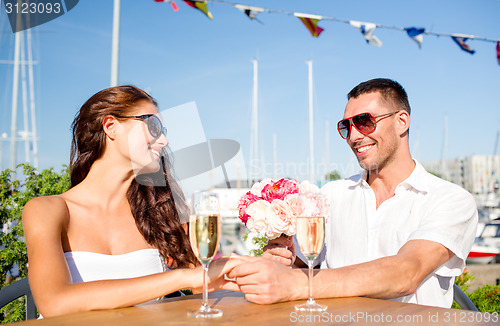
pixel 110 126
pixel 403 122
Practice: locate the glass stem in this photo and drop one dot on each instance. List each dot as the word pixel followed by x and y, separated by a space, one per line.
pixel 205 287
pixel 310 266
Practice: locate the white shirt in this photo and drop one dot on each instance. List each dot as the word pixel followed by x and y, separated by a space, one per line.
pixel 423 207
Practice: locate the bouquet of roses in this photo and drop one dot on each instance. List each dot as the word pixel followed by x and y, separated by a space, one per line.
pixel 271 208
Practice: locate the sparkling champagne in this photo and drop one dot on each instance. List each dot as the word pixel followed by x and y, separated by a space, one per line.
pixel 205 236
pixel 310 235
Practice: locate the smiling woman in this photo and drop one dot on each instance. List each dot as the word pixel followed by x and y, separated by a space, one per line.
pixel 116 237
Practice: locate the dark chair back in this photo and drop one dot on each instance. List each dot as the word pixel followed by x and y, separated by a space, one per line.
pixel 462 299
pixel 16 290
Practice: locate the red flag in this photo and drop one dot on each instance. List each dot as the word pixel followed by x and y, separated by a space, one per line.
pixel 172 3
pixel 311 22
pixel 174 6
pixel 498 52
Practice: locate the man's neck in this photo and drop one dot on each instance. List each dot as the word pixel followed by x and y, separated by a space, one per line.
pixel 384 181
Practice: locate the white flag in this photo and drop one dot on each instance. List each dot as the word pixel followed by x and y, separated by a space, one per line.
pixel 367 30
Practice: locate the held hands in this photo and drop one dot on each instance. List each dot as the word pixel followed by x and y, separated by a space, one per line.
pixel 216 271
pixel 266 281
pixel 281 249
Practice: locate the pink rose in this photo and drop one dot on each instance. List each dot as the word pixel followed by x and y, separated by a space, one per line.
pixel 312 207
pixel 244 202
pixel 279 189
pixel 282 221
pixel 257 187
pixel 295 202
pixel 303 205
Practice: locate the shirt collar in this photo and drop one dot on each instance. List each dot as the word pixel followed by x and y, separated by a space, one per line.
pixel 417 179
pixel 359 179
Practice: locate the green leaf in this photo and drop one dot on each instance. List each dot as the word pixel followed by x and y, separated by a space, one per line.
pixel 14 194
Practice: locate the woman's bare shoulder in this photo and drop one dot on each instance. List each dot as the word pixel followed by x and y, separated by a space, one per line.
pixel 39 207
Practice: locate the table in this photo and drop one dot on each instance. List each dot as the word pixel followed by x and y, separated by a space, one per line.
pixel 238 311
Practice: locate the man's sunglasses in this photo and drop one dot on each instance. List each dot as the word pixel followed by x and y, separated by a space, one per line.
pixel 154 124
pixel 365 123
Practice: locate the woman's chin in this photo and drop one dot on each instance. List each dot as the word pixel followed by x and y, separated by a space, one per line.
pixel 152 167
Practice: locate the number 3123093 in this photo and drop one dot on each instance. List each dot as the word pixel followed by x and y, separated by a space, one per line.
pixel 33 8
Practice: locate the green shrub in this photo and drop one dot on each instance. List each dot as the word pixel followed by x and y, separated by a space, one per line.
pixel 464 280
pixel 486 298
pixel 14 194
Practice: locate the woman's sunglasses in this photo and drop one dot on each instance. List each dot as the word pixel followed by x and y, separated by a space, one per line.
pixel 365 123
pixel 154 124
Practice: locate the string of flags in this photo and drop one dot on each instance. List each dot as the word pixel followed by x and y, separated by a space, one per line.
pixel 367 29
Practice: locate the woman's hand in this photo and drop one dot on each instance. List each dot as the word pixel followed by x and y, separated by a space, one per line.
pixel 281 249
pixel 216 271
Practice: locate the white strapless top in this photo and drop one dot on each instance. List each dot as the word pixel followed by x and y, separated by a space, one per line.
pixel 87 266
pixel 90 266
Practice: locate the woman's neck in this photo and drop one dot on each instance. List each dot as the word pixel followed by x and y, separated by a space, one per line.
pixel 107 182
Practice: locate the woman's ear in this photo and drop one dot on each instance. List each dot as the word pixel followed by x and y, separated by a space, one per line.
pixel 110 126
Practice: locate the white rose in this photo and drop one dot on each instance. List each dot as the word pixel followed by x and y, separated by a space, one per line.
pixel 257 221
pixel 307 187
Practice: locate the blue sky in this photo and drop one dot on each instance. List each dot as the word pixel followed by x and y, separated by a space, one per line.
pixel 181 57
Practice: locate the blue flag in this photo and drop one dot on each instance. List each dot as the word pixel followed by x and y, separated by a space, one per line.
pixel 461 41
pixel 416 34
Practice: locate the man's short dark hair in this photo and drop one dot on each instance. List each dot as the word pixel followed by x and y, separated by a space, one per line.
pixel 392 92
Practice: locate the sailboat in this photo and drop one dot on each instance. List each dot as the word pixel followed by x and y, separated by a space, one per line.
pixel 486 247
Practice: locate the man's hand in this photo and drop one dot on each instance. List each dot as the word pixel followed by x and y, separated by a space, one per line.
pixel 266 281
pixel 281 250
pixel 216 271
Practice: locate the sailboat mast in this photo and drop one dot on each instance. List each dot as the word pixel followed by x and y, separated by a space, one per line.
pixel 115 43
pixel 444 152
pixel 254 138
pixel 275 156
pixel 311 127
pixel 32 102
pixel 327 150
pixel 15 88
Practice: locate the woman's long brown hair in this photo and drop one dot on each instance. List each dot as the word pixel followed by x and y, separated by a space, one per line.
pixel 156 201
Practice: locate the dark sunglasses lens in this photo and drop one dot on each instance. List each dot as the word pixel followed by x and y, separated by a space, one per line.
pixel 154 126
pixel 343 127
pixel 364 123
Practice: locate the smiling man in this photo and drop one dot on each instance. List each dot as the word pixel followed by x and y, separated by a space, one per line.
pixel 395 231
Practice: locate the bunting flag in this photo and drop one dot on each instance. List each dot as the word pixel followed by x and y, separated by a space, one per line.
pixel 311 22
pixel 416 34
pixel 200 5
pixel 172 3
pixel 251 12
pixel 367 30
pixel 498 52
pixel 461 41
pixel 174 6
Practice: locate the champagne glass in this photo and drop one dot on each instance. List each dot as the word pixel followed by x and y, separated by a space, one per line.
pixel 204 235
pixel 310 236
